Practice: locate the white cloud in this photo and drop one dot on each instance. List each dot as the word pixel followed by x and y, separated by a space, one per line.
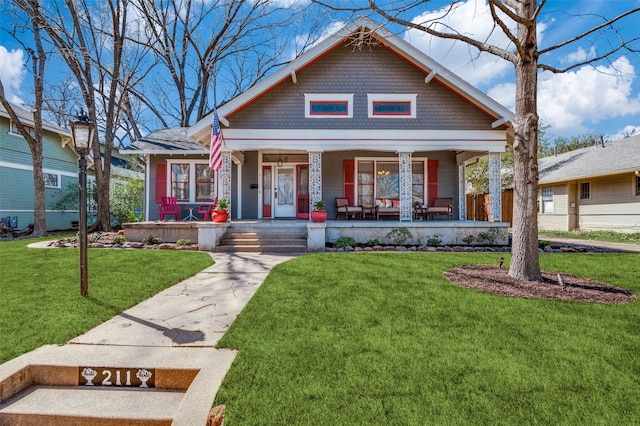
pixel 472 19
pixel 301 40
pixel 573 100
pixel 12 73
pixel 625 133
pixel 579 55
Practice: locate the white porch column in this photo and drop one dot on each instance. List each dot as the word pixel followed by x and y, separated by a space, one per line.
pixel 406 193
pixel 462 193
pixel 224 177
pixel 495 187
pixel 315 178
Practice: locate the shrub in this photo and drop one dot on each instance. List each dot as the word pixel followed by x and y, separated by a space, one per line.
pixel 343 242
pixel 373 242
pixel 489 236
pixel 151 239
pixel 434 241
pixel 468 239
pixel 399 235
pixel 119 239
pixel 183 242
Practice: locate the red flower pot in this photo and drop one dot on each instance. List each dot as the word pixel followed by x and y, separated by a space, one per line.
pixel 318 216
pixel 219 216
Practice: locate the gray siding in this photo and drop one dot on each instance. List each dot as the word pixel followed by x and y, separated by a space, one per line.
pixel 360 72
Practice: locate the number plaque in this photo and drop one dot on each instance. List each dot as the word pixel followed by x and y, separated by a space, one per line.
pixel 109 376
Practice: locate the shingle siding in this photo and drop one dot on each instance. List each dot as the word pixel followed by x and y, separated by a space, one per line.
pixel 360 72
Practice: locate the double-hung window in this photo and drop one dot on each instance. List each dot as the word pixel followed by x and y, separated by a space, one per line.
pixel 547 199
pixel 191 181
pixel 585 191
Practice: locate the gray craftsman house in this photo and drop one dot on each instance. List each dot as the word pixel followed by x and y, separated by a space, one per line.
pixel 363 115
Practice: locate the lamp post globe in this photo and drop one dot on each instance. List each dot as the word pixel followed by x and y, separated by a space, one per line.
pixel 82 131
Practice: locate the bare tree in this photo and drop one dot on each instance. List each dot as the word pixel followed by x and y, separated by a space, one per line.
pixel 38 59
pixel 93 39
pixel 203 44
pixel 524 15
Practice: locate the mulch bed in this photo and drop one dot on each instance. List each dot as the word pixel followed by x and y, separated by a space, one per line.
pixel 493 279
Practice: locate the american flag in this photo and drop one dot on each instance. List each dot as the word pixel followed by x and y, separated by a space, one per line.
pixel 215 151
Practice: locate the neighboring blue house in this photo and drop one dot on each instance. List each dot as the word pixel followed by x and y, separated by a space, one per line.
pixel 59 167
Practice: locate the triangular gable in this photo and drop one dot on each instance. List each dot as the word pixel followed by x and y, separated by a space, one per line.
pixel 431 69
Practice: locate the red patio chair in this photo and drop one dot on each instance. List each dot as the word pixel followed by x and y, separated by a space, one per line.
pixel 206 211
pixel 169 206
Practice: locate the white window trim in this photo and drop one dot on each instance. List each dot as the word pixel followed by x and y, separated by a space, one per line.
pixel 328 97
pixel 542 200
pixel 389 160
pixel 580 191
pixel 192 179
pixel 58 180
pixel 636 185
pixel 18 134
pixel 390 97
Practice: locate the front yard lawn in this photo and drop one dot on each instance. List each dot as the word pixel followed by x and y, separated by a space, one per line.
pixel 385 339
pixel 40 289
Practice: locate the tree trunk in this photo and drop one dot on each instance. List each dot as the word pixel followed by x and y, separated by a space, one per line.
pixel 525 263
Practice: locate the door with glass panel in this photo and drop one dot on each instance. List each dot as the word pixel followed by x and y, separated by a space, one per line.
pixel 284 192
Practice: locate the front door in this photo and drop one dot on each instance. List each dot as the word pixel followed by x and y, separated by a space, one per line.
pixel 285 191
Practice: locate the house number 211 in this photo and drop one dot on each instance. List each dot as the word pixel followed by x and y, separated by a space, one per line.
pixel 107 376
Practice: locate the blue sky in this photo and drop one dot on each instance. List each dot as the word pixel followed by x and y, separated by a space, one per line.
pixel 602 98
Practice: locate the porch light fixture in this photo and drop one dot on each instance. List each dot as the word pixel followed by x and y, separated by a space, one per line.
pixel 82 131
pixel 280 163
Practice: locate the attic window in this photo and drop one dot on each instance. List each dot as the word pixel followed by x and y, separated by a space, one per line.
pixel 13 130
pixel 391 105
pixel 328 105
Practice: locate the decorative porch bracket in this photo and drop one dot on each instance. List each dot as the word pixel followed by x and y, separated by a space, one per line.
pixel 315 178
pixel 224 176
pixel 462 193
pixel 495 187
pixel 406 193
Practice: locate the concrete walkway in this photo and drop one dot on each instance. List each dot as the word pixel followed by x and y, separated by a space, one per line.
pixel 174 333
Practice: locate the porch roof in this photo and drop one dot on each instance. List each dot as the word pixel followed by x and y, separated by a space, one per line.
pixel 166 142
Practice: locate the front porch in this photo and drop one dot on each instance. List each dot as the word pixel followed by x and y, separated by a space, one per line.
pixel 209 234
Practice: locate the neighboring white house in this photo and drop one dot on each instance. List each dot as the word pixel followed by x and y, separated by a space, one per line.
pixel 595 188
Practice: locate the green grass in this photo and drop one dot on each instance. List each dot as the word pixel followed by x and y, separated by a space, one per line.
pixel 385 339
pixel 40 289
pixel 616 237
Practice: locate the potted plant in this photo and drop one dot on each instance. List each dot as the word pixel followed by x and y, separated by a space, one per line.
pixel 221 212
pixel 318 214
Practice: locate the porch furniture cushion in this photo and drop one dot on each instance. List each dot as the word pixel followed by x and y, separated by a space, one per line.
pixel 387 207
pixel 441 206
pixel 169 206
pixel 343 208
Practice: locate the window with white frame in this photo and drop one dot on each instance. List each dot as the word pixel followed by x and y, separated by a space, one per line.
pixel 191 181
pixel 383 105
pixel 328 105
pixel 51 180
pixel 585 191
pixel 547 199
pixel 13 129
pixel 379 180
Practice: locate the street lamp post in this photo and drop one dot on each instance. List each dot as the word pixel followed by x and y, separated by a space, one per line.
pixel 82 133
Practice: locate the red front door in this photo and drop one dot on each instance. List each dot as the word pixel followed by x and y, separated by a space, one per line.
pixel 302 193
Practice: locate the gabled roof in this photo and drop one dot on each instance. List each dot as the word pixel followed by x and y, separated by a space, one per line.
pixel 166 141
pixel 431 68
pixel 622 156
pixel 27 118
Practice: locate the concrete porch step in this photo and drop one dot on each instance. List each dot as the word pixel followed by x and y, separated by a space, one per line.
pixel 268 238
pixel 262 248
pixel 70 406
